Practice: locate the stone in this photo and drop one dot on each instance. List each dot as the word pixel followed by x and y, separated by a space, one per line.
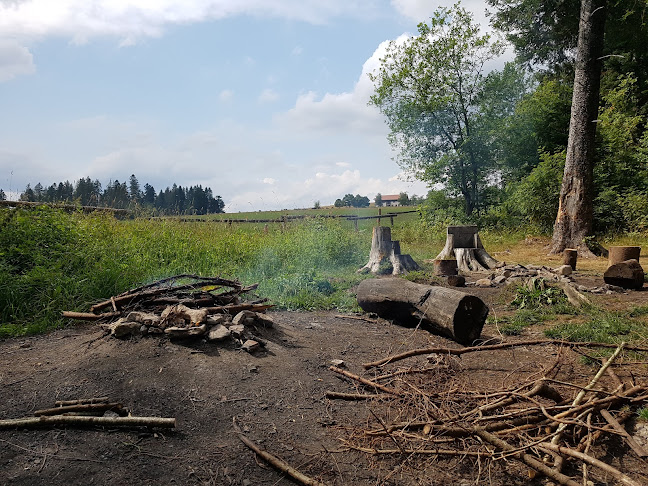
pixel 251 346
pixel 456 281
pixel 218 319
pixel 340 363
pixel 500 279
pixel 181 315
pixel 186 332
pixel 237 330
pixel 564 270
pixel 219 333
pixel 483 282
pixel 145 318
pixel 123 328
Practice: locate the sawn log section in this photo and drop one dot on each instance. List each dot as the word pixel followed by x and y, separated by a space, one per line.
pixel 455 313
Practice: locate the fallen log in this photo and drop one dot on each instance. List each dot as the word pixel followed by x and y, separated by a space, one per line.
pixel 456 314
pixel 80 420
pixel 97 408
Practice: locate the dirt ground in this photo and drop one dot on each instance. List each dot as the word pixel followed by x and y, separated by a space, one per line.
pixel 276 397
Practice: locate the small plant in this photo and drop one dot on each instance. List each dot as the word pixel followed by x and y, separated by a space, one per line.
pixel 642 413
pixel 604 328
pixel 537 297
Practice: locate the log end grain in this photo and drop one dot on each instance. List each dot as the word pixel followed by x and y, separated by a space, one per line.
pixel 469 319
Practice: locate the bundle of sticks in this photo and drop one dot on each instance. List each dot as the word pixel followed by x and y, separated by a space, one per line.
pixel 551 426
pixel 85 412
pixel 215 294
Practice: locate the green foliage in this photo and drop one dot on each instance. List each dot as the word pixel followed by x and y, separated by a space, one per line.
pixel 52 261
pixel 535 198
pixel 605 327
pixel 513 326
pixel 443 113
pixel 642 413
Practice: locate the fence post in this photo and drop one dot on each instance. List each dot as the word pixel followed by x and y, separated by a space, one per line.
pixel 379 214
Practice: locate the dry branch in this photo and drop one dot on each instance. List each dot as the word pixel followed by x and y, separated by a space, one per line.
pixel 490 347
pixel 364 381
pixel 356 396
pixel 95 408
pixel 56 420
pixel 640 451
pixel 618 475
pixel 89 316
pixel 276 462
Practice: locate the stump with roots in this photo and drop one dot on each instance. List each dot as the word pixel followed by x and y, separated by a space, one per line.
pixel 385 256
pixel 464 245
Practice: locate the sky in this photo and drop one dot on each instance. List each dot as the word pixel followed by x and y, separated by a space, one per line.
pixel 264 101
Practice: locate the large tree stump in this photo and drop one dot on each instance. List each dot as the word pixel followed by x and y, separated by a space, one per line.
pixel 464 245
pixel 628 275
pixel 385 256
pixel 456 314
pixel 618 254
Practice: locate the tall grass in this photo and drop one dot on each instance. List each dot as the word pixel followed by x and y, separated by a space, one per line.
pixel 52 261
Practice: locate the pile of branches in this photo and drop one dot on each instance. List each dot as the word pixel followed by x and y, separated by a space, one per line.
pixel 551 427
pixel 216 295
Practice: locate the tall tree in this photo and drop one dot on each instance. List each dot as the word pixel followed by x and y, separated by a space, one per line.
pixel 575 210
pixel 431 89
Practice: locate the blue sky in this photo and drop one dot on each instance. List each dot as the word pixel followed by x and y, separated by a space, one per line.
pixel 263 101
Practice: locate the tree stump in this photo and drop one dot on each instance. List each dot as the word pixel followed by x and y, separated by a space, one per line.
pixel 456 314
pixel 464 245
pixel 570 257
pixel 385 256
pixel 627 274
pixel 618 254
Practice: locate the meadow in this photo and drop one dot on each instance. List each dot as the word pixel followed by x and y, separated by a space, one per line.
pixel 52 260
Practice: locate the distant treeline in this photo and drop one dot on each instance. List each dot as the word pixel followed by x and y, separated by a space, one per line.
pixel 121 195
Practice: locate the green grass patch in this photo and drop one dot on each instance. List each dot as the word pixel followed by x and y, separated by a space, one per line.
pixel 604 327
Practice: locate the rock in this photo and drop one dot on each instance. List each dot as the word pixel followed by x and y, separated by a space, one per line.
pixel 186 332
pixel 340 363
pixel 155 330
pixel 251 346
pixel 182 316
pixel 218 319
pixel 483 282
pixel 144 330
pixel 500 279
pixel 456 281
pixel 143 318
pixel 219 333
pixel 249 318
pixel 506 273
pixel 124 328
pixel 564 270
pixel 237 330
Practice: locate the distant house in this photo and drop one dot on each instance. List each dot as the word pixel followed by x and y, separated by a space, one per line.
pixel 390 200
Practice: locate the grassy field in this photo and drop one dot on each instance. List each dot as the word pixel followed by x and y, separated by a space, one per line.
pixel 52 260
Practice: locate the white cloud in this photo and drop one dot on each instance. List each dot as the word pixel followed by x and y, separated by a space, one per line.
pixel 297 50
pixel 226 95
pixel 343 164
pixel 133 19
pixel 268 95
pixel 15 60
pixel 269 180
pixel 422 10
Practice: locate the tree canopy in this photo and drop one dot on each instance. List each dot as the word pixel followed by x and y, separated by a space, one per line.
pixel 440 106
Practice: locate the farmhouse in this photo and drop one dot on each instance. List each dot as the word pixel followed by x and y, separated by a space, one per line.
pixel 390 200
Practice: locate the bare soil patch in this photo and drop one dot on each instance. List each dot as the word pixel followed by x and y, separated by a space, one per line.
pixel 277 398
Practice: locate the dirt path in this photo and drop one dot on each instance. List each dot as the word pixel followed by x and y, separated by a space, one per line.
pixel 277 398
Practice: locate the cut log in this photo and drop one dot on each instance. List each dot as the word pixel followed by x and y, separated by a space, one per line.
pixel 385 256
pixel 618 254
pixel 445 267
pixel 464 245
pixel 456 314
pixel 627 274
pixel 570 257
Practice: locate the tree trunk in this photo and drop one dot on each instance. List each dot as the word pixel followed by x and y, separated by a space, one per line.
pixel 459 315
pixel 575 210
pixel 385 256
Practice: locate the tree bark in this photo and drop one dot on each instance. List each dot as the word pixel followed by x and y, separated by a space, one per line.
pixel 456 314
pixel 575 210
pixel 385 256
